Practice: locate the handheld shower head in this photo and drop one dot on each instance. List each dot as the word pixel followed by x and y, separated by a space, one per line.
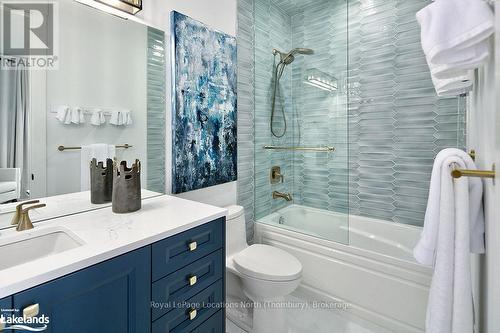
pixel 302 50
pixel 285 59
pixel 288 58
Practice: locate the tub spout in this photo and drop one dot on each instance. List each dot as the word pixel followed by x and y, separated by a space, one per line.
pixel 278 195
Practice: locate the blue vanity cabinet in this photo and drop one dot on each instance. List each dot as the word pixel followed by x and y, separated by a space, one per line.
pixel 214 324
pixel 5 303
pixel 113 296
pixel 194 312
pixel 184 273
pixel 177 251
pixel 188 280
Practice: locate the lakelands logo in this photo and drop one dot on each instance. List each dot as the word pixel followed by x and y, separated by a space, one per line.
pixel 31 324
pixel 30 34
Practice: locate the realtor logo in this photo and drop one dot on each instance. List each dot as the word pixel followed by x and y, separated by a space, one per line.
pixel 15 322
pixel 30 32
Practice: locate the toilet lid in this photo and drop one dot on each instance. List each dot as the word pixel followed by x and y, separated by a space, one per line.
pixel 268 263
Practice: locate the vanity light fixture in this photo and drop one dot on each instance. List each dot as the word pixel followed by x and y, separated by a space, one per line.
pixel 114 7
pixel 127 6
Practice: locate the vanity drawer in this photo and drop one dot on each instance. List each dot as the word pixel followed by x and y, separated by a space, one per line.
pixel 187 282
pixel 213 325
pixel 180 250
pixel 187 317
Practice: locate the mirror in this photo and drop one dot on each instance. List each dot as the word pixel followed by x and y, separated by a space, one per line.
pixel 106 98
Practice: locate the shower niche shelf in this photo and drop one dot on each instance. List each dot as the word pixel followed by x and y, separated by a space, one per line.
pixel 321 80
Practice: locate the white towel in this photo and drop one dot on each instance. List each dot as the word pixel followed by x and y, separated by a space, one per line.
pixel 462 61
pixel 121 118
pixel 458 85
pixel 449 26
pixel 99 151
pixel 453 228
pixel 454 36
pixel 98 117
pixel 77 116
pixel 127 117
pixel 115 118
pixel 63 114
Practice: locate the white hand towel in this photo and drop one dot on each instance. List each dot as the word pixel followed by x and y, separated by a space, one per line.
pixel 63 114
pixel 453 228
pixel 115 118
pixel 458 85
pixel 462 60
pixel 77 116
pixel 452 25
pixel 98 117
pixel 121 118
pixel 99 151
pixel 127 117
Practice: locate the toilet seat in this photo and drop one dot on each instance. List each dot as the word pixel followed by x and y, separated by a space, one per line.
pixel 266 262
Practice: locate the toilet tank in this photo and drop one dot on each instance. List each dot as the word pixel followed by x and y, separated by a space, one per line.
pixel 236 238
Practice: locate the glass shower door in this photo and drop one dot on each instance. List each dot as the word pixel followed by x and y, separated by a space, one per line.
pixel 301 123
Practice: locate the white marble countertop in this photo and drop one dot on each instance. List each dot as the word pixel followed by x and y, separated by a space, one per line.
pixel 105 235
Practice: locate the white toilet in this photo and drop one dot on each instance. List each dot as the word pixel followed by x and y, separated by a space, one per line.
pixel 265 274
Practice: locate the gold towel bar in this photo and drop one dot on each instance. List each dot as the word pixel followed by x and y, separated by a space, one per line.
pixel 63 148
pixel 325 149
pixel 457 173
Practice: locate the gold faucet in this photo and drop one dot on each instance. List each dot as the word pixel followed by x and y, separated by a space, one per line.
pixel 25 221
pixel 22 217
pixel 19 208
pixel 286 196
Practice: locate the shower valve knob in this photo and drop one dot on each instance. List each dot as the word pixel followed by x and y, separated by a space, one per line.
pixel 276 176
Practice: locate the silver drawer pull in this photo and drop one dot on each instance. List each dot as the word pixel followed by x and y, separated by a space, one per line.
pixel 192 314
pixel 192 246
pixel 192 280
pixel 31 311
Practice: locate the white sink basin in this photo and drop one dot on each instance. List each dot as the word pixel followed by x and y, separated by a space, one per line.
pixel 31 245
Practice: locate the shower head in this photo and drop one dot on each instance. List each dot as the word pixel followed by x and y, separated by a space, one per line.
pixel 288 58
pixel 302 50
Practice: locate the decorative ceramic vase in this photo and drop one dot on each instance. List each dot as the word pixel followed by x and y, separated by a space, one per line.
pixel 126 187
pixel 101 181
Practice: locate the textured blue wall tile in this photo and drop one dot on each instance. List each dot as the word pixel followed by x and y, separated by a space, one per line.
pixel 156 110
pixel 385 121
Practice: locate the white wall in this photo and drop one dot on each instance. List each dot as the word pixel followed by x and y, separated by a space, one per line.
pixel 493 320
pixel 484 138
pixel 219 15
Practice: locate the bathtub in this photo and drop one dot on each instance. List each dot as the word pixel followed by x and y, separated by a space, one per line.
pixel 364 262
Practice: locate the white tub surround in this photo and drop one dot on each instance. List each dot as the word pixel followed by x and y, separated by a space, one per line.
pixel 104 235
pixel 375 274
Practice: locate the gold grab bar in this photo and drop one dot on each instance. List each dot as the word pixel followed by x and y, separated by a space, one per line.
pixel 457 173
pixel 63 148
pixel 324 149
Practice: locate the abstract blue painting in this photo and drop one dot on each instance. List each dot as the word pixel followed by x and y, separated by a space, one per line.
pixel 204 105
